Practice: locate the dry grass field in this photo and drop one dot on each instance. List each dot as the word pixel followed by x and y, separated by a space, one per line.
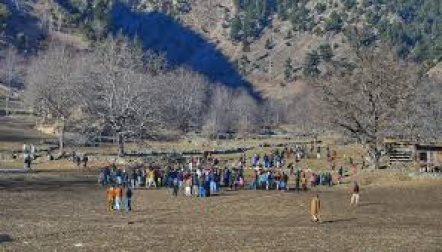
pixel 65 211
pixel 59 208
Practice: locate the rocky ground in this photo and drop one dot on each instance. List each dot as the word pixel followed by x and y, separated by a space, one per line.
pixel 66 212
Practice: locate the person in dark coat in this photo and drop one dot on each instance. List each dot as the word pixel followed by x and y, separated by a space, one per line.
pixel 129 199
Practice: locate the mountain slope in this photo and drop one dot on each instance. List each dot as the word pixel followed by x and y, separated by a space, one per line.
pixel 273 44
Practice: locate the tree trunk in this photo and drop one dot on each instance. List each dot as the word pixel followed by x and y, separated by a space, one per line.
pixel 61 137
pixel 375 155
pixel 120 145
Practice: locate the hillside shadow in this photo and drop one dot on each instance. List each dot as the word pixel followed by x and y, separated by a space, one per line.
pixel 182 46
pixel 22 28
pixel 67 5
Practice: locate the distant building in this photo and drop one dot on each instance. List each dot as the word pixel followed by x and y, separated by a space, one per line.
pixel 428 156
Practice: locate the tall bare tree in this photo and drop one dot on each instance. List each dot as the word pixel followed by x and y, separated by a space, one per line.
pixel 10 74
pixel 219 118
pixel 183 97
pixel 118 90
pixel 50 86
pixel 367 102
pixel 273 113
pixel 423 116
pixel 246 112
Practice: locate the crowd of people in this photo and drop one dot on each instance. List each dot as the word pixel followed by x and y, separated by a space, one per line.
pixel 204 177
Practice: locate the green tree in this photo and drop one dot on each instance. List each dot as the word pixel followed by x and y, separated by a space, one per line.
pixel 4 15
pixel 4 12
pixel 300 18
pixel 235 29
pixel 311 64
pixel 88 32
pixel 334 22
pixel 288 70
pixel 320 8
pixel 101 10
pixel 326 52
pixel 350 4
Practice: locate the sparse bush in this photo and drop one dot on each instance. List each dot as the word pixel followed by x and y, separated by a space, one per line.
pixel 334 22
pixel 350 4
pixel 326 52
pixel 320 8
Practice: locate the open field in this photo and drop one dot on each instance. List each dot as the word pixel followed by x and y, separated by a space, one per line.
pixel 66 211
pixel 16 131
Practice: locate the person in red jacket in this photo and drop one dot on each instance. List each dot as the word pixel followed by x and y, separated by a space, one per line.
pixel 355 196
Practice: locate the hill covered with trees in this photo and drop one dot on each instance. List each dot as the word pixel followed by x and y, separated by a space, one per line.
pixel 269 42
pixel 143 68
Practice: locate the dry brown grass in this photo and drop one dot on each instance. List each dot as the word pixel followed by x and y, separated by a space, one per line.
pixel 66 211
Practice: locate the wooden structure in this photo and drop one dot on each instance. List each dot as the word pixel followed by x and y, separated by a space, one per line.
pixel 428 156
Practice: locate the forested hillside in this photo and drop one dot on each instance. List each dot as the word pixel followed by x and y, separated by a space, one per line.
pixel 267 41
pixel 156 68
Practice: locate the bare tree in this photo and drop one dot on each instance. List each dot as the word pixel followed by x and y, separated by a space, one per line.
pixel 11 74
pixel 303 113
pixel 423 116
pixel 367 102
pixel 246 112
pixel 273 113
pixel 219 118
pixel 50 86
pixel 119 92
pixel 183 97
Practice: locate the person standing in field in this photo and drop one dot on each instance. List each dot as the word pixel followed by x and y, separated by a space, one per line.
pixel 176 186
pixel 85 160
pixel 315 207
pixel 318 152
pixel 188 185
pixel 118 196
pixel 151 178
pixel 355 196
pixel 284 181
pixel 304 183
pixel 297 180
pixel 110 199
pixel 195 184
pixel 128 199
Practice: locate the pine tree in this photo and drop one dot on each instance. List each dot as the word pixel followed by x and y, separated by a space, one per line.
pixel 311 64
pixel 235 29
pixel 326 52
pixel 288 70
pixel 350 4
pixel 334 22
